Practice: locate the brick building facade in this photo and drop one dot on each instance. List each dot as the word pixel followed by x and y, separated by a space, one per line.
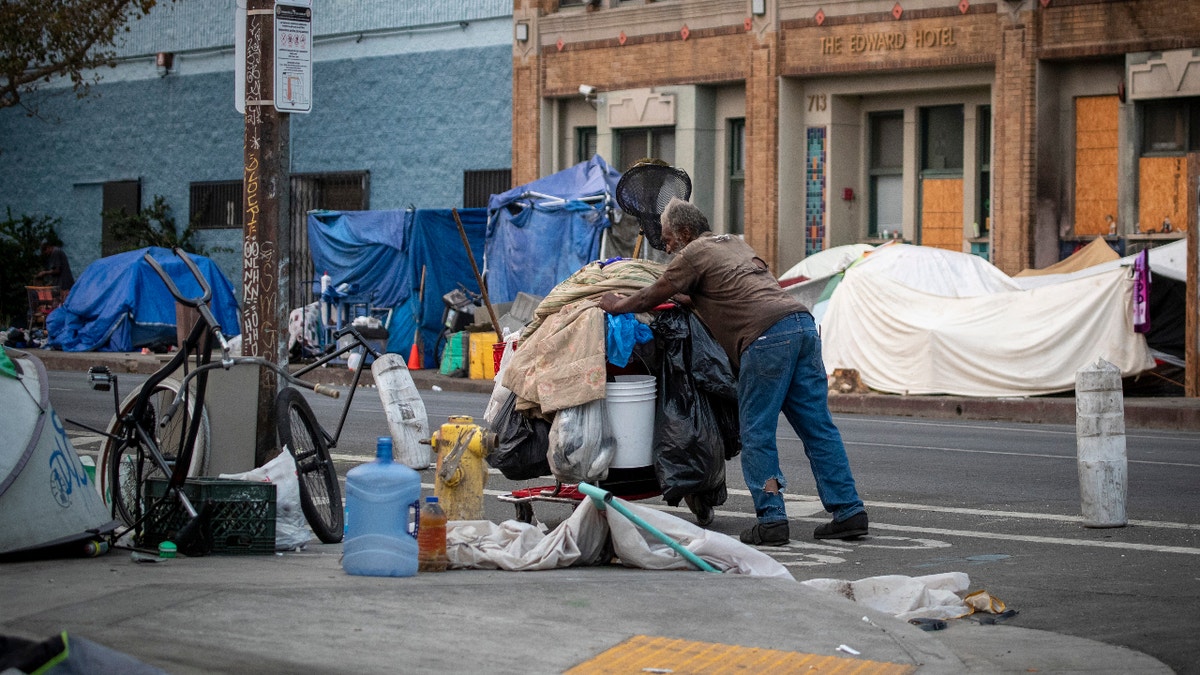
pixel 1013 129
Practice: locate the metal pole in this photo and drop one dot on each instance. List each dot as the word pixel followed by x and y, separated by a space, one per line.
pixel 478 278
pixel 265 231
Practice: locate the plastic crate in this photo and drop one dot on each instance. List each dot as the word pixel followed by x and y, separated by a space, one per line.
pixel 242 520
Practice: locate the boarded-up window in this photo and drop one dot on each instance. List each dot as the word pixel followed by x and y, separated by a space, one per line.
pixel 1162 194
pixel 942 213
pixel 1095 164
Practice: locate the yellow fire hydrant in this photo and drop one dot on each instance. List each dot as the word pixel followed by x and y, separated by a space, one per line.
pixel 461 446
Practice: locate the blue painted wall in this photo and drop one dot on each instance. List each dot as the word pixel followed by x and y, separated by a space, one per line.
pixel 413 97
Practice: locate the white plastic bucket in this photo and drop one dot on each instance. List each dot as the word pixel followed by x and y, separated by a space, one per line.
pixel 630 404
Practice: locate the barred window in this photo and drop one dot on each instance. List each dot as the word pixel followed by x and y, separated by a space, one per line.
pixel 480 185
pixel 216 204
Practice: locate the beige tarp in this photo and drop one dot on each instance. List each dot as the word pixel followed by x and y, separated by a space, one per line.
pixel 1095 253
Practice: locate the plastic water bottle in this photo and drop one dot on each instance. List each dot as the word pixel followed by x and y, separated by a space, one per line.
pixel 382 503
pixel 326 315
pixel 432 538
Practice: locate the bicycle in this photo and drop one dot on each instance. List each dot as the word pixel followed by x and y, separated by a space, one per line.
pixel 160 431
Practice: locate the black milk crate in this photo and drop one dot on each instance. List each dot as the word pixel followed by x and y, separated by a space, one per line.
pixel 242 518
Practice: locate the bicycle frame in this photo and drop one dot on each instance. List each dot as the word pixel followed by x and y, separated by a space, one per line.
pixel 359 341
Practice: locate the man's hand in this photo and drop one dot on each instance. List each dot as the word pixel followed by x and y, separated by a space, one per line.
pixel 609 302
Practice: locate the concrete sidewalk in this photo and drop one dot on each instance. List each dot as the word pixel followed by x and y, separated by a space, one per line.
pixel 1140 413
pixel 299 612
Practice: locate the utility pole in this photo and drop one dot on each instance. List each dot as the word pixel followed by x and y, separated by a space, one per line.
pixel 265 198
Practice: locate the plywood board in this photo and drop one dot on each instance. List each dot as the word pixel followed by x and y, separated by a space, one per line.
pixel 942 213
pixel 1162 193
pixel 1095 163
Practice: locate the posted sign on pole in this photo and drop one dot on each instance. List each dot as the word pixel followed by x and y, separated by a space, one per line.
pixel 293 56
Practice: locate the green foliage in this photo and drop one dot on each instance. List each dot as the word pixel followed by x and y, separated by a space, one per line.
pixel 20 249
pixel 152 226
pixel 45 39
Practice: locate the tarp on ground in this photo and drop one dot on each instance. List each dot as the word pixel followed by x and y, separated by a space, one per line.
pixel 919 320
pixel 382 253
pixel 542 232
pixel 120 304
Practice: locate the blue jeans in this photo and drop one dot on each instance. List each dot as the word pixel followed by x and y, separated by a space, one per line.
pixel 783 370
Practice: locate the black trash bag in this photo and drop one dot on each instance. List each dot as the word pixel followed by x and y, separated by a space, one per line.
pixel 715 379
pixel 690 446
pixel 521 443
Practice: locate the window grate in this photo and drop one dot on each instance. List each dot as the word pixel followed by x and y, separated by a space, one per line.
pixel 216 205
pixel 480 185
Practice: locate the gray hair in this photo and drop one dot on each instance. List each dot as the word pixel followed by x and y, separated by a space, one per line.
pixel 681 215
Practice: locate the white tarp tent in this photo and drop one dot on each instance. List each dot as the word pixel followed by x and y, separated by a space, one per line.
pixel 918 320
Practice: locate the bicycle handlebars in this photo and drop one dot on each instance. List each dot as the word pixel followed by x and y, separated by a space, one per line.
pixel 200 304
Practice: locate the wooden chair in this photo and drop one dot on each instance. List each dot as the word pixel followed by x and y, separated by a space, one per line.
pixel 42 301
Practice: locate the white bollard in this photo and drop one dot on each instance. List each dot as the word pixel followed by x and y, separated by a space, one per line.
pixel 1100 437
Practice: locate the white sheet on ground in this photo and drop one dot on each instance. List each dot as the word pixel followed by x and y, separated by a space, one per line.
pixel 580 540
pixel 907 339
pixel 936 596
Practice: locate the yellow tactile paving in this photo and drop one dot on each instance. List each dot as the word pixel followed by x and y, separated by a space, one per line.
pixel 646 654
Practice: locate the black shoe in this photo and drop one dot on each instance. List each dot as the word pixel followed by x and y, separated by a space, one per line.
pixel 703 512
pixel 767 534
pixel 850 528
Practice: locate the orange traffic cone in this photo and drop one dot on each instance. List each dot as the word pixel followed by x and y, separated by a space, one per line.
pixel 414 358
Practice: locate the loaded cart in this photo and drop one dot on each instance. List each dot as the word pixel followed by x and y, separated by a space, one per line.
pixel 665 427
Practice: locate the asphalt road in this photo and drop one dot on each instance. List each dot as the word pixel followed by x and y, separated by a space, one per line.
pixel 998 501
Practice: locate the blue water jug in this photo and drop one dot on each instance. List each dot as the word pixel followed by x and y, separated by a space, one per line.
pixel 383 499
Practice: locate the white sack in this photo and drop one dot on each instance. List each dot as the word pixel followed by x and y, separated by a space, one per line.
pixel 579 540
pixel 936 596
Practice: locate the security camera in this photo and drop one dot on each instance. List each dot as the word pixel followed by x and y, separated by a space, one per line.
pixel 587 89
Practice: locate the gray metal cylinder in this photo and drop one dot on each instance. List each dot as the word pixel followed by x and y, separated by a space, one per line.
pixel 1100 445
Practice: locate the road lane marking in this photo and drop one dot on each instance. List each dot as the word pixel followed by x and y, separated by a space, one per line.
pixel 1071 457
pixel 1035 539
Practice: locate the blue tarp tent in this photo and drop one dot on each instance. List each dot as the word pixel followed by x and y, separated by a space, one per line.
pixel 382 254
pixel 542 232
pixel 119 304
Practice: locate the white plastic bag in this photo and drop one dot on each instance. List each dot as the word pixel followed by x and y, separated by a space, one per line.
pixel 499 391
pixel 581 443
pixel 291 529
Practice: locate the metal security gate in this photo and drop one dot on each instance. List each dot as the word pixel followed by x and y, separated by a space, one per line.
pixel 345 191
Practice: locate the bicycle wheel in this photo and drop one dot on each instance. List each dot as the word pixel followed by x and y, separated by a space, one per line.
pixel 320 493
pixel 124 470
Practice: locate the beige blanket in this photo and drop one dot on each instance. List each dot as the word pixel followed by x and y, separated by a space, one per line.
pixel 560 362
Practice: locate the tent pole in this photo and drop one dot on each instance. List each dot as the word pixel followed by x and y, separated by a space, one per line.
pixel 479 279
